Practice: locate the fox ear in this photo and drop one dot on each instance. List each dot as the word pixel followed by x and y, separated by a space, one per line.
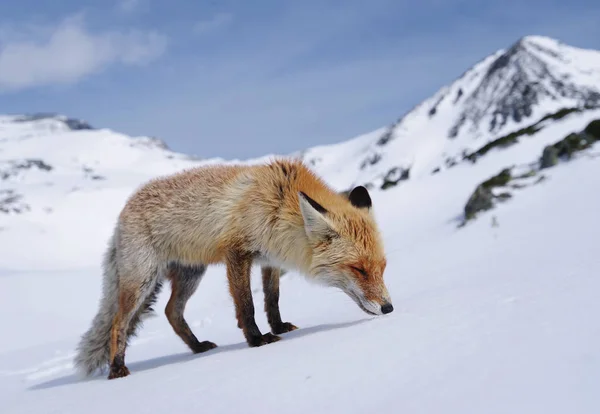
pixel 360 198
pixel 313 213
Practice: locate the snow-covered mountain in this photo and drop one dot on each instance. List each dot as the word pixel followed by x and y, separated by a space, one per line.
pixel 538 84
pixel 507 91
pixel 56 171
pixel 490 317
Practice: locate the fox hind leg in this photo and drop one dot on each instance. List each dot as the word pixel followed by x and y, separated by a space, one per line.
pixel 238 276
pixel 131 297
pixel 270 279
pixel 184 282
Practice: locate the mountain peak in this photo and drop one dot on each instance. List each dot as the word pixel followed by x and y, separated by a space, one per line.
pixel 534 71
pixel 539 40
pixel 536 77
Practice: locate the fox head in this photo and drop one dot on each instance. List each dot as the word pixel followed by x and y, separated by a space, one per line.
pixel 347 249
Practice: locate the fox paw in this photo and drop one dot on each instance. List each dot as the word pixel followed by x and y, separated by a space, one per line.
pixel 203 346
pixel 267 338
pixel 283 327
pixel 118 372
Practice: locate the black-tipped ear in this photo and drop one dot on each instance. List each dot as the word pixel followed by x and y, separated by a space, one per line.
pixel 359 197
pixel 314 216
pixel 314 204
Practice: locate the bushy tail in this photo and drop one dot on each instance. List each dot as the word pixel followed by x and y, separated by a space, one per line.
pixel 93 351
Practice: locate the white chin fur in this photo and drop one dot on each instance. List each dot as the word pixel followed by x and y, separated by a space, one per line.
pixel 351 289
pixel 373 307
pixel 366 305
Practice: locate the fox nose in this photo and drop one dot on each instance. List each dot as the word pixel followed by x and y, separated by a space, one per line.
pixel 387 308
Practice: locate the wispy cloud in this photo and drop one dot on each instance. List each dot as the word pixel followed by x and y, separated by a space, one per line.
pixel 128 6
pixel 216 22
pixel 69 51
pixel 276 77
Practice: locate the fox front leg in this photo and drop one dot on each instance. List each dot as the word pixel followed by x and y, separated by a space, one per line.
pixel 270 279
pixel 238 276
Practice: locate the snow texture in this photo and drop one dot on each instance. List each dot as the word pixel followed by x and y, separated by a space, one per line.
pixel 494 317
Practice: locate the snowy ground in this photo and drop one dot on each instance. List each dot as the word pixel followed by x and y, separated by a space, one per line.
pixel 487 320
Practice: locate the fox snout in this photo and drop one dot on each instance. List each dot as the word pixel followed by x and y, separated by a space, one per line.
pixel 374 307
pixel 384 308
pixel 387 308
pixel 370 305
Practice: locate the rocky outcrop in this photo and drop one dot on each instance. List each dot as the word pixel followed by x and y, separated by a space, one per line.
pixel 11 202
pixel 570 145
pixel 13 168
pixel 549 157
pixel 483 197
pixel 513 137
pixel 486 195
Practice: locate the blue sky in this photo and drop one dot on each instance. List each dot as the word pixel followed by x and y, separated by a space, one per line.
pixel 240 78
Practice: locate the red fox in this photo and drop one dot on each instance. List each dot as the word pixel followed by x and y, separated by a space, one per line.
pixel 279 215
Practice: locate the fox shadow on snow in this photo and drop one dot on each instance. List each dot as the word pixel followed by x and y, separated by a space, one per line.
pixel 165 360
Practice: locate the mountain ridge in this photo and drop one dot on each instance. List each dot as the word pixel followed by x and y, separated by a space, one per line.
pixel 47 157
pixel 460 129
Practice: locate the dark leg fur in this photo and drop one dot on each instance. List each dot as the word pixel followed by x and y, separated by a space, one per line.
pixel 145 309
pixel 118 368
pixel 184 282
pixel 238 276
pixel 270 279
pixel 134 300
pixel 118 334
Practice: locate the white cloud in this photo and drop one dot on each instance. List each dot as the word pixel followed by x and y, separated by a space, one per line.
pixel 68 52
pixel 216 22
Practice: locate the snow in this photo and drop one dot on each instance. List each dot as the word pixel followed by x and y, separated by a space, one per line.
pixel 67 196
pixel 488 318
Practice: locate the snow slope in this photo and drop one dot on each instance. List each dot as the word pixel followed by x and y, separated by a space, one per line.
pixel 77 179
pixel 494 317
pixel 487 319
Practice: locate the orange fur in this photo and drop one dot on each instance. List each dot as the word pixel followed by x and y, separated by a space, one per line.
pixel 198 215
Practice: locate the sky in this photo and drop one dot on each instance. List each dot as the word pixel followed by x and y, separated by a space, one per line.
pixel 241 79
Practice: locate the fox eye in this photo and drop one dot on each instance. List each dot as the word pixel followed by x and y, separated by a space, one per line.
pixel 361 271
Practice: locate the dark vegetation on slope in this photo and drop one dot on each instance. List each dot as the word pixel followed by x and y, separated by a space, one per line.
pixel 371 160
pixel 394 176
pixel 485 197
pixel 513 137
pixel 510 139
pixel 571 144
